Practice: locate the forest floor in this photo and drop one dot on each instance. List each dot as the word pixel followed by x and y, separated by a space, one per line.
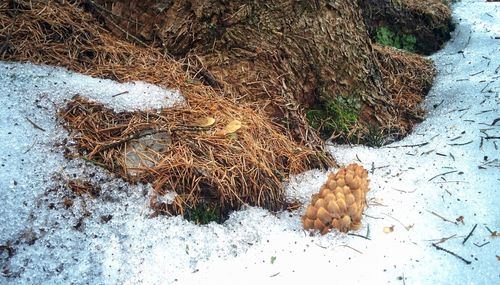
pixel 433 214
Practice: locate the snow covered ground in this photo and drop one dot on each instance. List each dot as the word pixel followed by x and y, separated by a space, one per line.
pixel 433 187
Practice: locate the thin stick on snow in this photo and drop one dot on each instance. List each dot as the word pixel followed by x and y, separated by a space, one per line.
pixel 406 227
pixel 441 217
pixel 495 121
pixel 118 94
pixel 491 232
pixel 441 240
pixel 403 191
pixel 481 245
pixel 408 145
pixel 356 235
pixel 367 236
pixel 470 234
pixel 466 143
pixel 345 245
pixel 443 174
pixel 476 73
pixel 452 253
pixel 35 125
pixel 482 90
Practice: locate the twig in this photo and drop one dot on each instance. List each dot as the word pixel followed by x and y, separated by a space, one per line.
pixel 470 234
pixel 403 191
pixel 485 87
pixel 406 227
pixel 466 143
pixel 356 235
pixel 357 157
pixel 319 245
pixel 121 93
pixel 437 105
pixel 373 217
pixel 441 240
pixel 495 121
pixel 32 145
pixel 427 152
pixel 361 236
pixel 481 244
pixel 441 217
pixel 442 174
pixel 408 145
pixel 484 111
pixel 452 181
pixel 452 253
pixel 476 73
pixel 35 125
pixel 345 245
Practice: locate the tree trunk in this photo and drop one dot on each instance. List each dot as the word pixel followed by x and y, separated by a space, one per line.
pixel 427 21
pixel 287 56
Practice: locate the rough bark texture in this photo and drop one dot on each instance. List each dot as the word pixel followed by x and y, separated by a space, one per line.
pixel 287 56
pixel 429 21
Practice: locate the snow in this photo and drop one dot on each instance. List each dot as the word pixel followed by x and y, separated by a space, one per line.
pixel 42 242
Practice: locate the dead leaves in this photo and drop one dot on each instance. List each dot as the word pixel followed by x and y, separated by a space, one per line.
pixel 230 128
pixel 389 230
pixel 205 122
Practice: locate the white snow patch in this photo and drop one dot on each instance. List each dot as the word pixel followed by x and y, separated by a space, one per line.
pixel 45 243
pixel 55 84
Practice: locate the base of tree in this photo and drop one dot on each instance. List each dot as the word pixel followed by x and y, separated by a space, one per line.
pixel 206 168
pixel 419 26
pixel 300 62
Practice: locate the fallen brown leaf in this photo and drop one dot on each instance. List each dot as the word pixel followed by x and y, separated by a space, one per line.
pixel 388 230
pixel 205 122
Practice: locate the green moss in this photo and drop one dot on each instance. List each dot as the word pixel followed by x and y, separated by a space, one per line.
pixel 203 215
pixel 387 37
pixel 334 116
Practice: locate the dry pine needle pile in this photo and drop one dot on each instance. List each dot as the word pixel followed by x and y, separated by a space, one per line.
pixel 218 156
pixel 203 162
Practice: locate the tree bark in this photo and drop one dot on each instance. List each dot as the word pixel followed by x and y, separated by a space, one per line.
pixel 287 56
pixel 429 21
